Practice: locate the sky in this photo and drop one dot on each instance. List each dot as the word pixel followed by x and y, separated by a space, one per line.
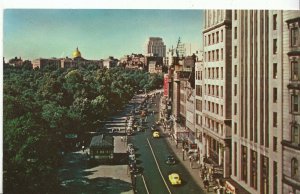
pixel 98 33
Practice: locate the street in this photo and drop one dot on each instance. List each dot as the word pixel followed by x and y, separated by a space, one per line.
pixel 151 155
pixel 144 142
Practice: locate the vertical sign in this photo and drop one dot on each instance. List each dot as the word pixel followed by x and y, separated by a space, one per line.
pixel 166 85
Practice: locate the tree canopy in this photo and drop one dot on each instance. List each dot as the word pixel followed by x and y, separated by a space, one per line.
pixel 40 106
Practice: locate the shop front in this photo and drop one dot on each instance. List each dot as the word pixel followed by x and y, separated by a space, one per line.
pixel 229 188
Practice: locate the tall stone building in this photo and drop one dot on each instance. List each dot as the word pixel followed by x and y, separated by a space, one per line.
pixel 256 100
pixel 291 97
pixel 199 87
pixel 156 47
pixel 216 99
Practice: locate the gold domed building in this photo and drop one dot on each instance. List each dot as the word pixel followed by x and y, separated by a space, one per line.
pixel 76 61
pixel 76 54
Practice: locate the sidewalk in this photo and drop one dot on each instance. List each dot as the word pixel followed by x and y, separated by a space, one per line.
pixel 194 170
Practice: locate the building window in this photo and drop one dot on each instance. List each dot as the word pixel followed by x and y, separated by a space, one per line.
pixel 213 38
pixel 221 54
pixel 275 122
pixel 235 51
pixel 217 92
pixel 221 35
pixel 295 103
pixel 275 174
pixel 221 72
pixel 221 110
pixel 235 108
pixel 197 90
pixel 235 89
pixel 295 37
pixel 295 71
pixel 295 136
pixel 208 39
pixel 217 33
pixel 275 144
pixel 217 72
pixel 198 105
pixel 213 55
pixel 275 22
pixel 200 94
pixel 244 163
pixel 235 128
pixel 235 70
pixel 208 55
pixel 275 70
pixel 217 52
pixel 253 169
pixel 274 95
pixel 217 108
pixel 235 32
pixel 264 182
pixel 235 14
pixel 235 159
pixel 294 168
pixel 221 91
pixel 274 46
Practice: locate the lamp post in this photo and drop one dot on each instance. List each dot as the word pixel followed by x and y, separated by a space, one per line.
pixel 183 154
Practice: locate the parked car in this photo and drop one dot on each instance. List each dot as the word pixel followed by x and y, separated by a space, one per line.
pixel 154 128
pixel 130 145
pixel 131 151
pixel 170 160
pixel 174 178
pixel 156 134
pixel 132 157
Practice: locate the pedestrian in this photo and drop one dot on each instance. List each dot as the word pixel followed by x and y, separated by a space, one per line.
pixel 82 148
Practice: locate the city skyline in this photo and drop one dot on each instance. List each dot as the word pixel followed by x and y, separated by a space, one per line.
pixel 46 33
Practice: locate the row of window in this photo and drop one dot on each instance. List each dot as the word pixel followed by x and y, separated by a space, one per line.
pixel 214 126
pixel 198 75
pixel 213 107
pixel 214 55
pixel 213 38
pixel 295 134
pixel 213 90
pixel 274 138
pixel 210 106
pixel 275 115
pixel 210 90
pixel 214 73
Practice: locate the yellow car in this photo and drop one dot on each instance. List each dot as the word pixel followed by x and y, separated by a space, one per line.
pixel 174 179
pixel 156 134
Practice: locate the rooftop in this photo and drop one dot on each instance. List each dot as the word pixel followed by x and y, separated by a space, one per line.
pixel 102 141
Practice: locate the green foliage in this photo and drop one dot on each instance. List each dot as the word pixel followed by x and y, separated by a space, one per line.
pixel 41 106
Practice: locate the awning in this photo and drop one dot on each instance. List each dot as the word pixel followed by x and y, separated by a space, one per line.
pixel 229 188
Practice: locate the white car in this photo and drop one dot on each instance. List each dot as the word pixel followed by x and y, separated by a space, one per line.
pixel 131 157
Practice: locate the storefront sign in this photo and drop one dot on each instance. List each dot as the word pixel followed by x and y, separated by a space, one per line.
pixel 166 85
